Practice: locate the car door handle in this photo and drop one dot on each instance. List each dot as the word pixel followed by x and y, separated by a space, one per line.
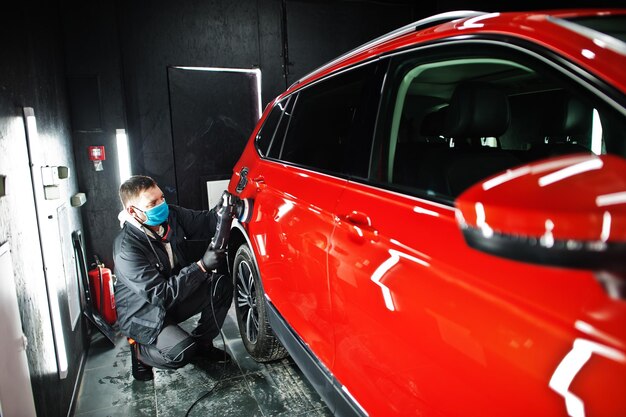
pixel 358 219
pixel 361 225
pixel 259 182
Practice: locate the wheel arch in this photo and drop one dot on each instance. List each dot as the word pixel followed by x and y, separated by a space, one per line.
pixel 239 236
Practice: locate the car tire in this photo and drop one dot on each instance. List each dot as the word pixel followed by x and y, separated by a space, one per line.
pixel 251 310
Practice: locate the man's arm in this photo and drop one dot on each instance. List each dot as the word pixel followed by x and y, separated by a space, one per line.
pixel 142 277
pixel 198 224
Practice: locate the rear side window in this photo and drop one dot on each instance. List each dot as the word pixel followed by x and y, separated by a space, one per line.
pixel 266 135
pixel 321 124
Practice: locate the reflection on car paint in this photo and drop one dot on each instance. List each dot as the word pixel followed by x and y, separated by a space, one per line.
pixel 422 210
pixel 606 227
pixel 481 220
pixel 611 199
pixel 383 268
pixel 570 171
pixel 283 209
pixel 547 240
pixel 260 241
pixel 570 366
pixel 473 23
pixel 459 337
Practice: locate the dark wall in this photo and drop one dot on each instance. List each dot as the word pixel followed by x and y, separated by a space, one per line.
pixel 321 31
pixel 191 33
pixel 93 57
pixel 32 75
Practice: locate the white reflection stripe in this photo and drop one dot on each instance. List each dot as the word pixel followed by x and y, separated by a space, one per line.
pixel 569 367
pixel 588 54
pixel 606 227
pixel 394 252
pixel 570 171
pixel 260 240
pixel 474 21
pixel 344 389
pixel 610 199
pixel 507 176
pixel 421 210
pixel 592 331
pixel 378 275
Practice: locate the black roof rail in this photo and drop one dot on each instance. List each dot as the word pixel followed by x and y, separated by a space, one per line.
pixel 411 27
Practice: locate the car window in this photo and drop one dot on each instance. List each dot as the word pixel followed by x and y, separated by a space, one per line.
pixel 265 139
pixel 449 122
pixel 321 124
pixel 283 124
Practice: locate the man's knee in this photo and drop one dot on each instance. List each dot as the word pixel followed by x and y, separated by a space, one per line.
pixel 181 354
pixel 175 357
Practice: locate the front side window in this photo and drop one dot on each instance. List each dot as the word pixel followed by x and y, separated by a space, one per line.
pixel 453 119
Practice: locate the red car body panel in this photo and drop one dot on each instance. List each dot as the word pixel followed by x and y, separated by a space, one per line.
pixel 385 291
pixel 491 321
pixel 291 233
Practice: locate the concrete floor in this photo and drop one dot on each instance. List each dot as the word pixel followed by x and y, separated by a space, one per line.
pixel 240 389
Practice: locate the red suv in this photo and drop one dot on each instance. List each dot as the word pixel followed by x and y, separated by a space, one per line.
pixel 439 224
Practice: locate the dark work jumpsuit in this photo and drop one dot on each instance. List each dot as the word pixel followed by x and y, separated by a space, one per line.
pixel 153 297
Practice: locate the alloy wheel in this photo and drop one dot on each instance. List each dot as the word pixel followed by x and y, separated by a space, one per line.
pixel 246 300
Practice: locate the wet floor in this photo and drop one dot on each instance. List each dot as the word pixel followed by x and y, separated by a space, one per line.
pixel 239 389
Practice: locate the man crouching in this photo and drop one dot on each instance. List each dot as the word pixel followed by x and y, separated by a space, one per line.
pixel 158 286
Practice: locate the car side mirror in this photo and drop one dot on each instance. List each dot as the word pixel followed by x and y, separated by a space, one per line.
pixel 568 211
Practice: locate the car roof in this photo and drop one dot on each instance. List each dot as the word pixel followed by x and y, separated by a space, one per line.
pixel 555 30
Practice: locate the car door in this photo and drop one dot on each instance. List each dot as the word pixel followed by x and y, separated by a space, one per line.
pixel 426 325
pixel 299 180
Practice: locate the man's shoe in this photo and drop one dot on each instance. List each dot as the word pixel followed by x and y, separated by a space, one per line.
pixel 141 371
pixel 212 353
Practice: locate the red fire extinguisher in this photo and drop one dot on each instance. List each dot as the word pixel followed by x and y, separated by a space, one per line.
pixel 101 287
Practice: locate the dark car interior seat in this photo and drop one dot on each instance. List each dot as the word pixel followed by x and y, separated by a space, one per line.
pixel 567 129
pixel 476 111
pixel 411 152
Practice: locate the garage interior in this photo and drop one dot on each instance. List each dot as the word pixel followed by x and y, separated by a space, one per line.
pixel 180 85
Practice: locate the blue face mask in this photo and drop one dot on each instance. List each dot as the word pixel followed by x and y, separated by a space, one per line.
pixel 157 214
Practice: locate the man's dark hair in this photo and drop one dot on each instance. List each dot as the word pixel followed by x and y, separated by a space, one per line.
pixel 132 187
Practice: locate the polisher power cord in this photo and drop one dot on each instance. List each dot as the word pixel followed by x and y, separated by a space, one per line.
pixel 206 394
pixel 231 207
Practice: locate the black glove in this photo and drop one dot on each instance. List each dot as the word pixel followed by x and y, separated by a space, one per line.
pixel 212 258
pixel 225 196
